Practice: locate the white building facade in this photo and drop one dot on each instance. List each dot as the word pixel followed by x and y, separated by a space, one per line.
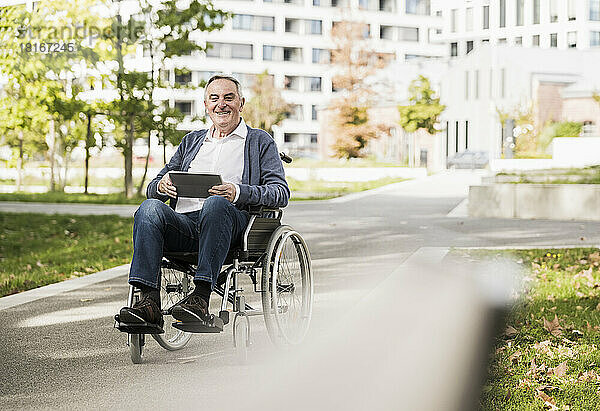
pixel 291 40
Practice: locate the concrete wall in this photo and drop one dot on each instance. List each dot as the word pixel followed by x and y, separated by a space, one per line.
pixel 545 201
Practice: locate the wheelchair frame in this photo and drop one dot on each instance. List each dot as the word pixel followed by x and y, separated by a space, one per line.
pixel 264 245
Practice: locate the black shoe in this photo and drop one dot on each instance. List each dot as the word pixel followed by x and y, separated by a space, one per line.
pixel 144 311
pixel 195 309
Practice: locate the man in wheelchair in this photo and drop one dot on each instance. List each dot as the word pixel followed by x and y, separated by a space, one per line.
pixel 249 164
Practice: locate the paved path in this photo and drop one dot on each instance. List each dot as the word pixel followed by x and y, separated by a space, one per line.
pixel 61 351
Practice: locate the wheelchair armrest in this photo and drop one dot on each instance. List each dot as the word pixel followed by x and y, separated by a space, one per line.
pixel 259 209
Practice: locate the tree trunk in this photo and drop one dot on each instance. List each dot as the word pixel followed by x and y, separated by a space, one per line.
pixel 128 152
pixel 87 151
pixel 52 156
pixel 139 190
pixel 164 150
pixel 20 163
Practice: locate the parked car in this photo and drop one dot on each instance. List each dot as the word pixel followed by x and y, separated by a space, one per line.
pixel 469 159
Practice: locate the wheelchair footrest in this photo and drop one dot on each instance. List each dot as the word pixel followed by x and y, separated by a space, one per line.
pixel 214 325
pixel 137 328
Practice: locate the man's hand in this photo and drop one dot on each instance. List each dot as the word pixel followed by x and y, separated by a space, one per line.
pixel 165 186
pixel 226 190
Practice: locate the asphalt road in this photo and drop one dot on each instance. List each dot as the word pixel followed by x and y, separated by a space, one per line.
pixel 62 352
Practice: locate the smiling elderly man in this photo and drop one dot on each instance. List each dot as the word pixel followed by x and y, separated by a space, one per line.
pixel 248 162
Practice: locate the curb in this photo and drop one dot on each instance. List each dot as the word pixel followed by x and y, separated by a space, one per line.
pixel 58 288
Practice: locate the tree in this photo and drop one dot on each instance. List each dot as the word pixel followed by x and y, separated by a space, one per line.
pixel 166 29
pixel 354 63
pixel 266 108
pixel 424 109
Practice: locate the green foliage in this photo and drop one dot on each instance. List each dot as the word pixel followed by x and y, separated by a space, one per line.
pixel 266 108
pixel 568 129
pixel 424 109
pixel 560 129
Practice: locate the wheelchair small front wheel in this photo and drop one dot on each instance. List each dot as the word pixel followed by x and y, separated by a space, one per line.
pixel 287 287
pixel 136 346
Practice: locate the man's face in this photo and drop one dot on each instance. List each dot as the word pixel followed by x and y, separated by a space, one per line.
pixel 223 105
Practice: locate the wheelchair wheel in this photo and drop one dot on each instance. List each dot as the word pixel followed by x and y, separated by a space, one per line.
pixel 136 346
pixel 287 287
pixel 174 286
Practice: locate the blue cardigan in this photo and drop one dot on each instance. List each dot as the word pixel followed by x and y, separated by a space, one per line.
pixel 263 178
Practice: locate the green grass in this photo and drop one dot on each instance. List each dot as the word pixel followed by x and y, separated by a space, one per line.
pixel 57 197
pixel 330 189
pixel 585 175
pixel 319 190
pixel 564 283
pixel 37 250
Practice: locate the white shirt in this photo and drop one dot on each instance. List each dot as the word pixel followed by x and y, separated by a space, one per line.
pixel 224 156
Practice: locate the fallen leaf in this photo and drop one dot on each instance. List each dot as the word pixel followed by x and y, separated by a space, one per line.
pixel 553 327
pixel 85 300
pixel 39 264
pixel 510 331
pixel 560 370
pixel 548 400
pixel 515 356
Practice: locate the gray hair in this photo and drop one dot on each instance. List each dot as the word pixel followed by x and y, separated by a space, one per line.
pixel 235 81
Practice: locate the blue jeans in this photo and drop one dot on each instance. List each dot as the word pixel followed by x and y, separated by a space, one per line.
pixel 210 231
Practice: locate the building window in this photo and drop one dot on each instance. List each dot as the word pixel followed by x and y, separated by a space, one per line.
pixel 572 10
pixel 314 112
pixel 230 50
pixel 502 13
pixel 321 56
pixel 553 11
pixel 518 41
pixel 313 138
pixel 453 49
pixel 267 23
pixel 469 19
pixel 536 11
pixel 453 14
pixel 293 54
pixel 269 53
pixel 296 112
pixel 520 12
pixel 422 7
pixel 292 83
pixel 502 40
pixel 554 40
pixel 316 3
pixel 467 135
pixel 386 32
pixel 288 137
pixel 595 10
pixel 467 91
pixel 486 17
pixel 408 33
pixel 183 77
pixel 185 107
pixel 572 39
pixel 363 4
pixel 535 40
pixel 241 51
pixel 242 22
pixel 313 83
pixel 456 136
pixel 594 38
pixel 292 25
pixel 386 5
pixel 469 46
pixel 314 26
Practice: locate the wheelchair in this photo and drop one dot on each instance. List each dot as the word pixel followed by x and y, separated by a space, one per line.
pixel 277 260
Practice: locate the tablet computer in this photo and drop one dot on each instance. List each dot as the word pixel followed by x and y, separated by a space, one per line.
pixel 194 185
